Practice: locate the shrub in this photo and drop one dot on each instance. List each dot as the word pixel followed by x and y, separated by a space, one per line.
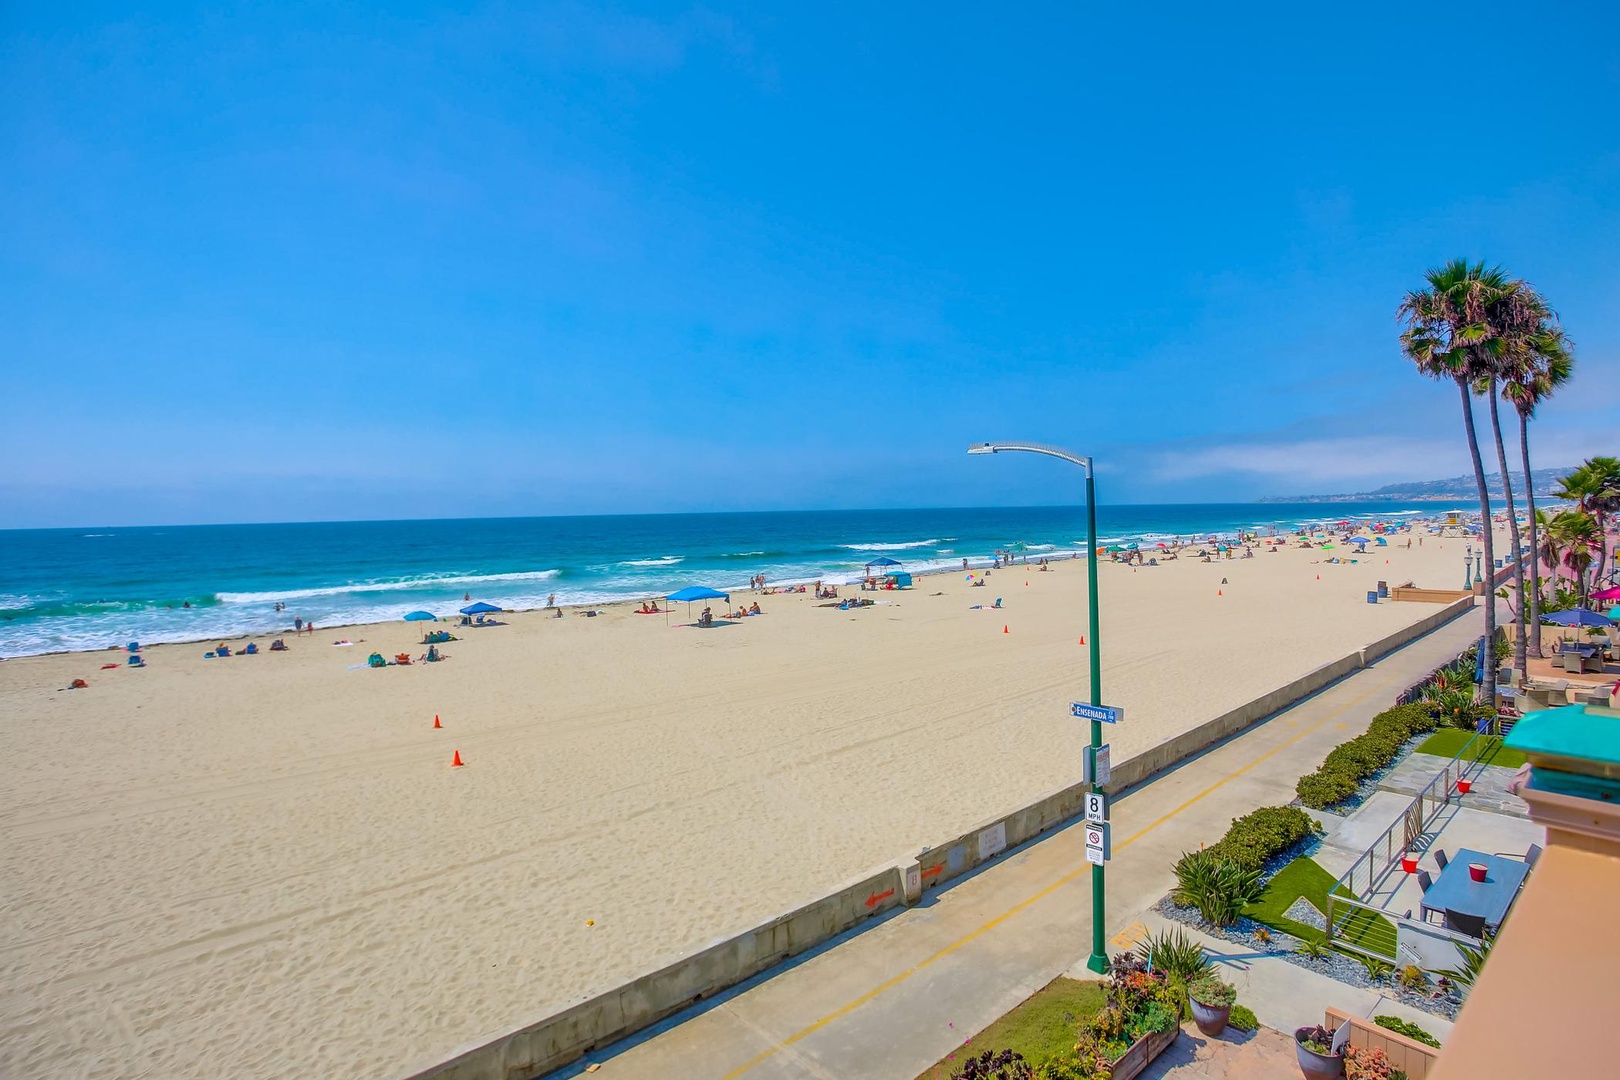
pixel 1154 1017
pixel 1256 837
pixel 1412 978
pixel 1349 763
pixel 1403 1027
pixel 1218 887
pixel 995 1065
pixel 1175 954
pixel 1474 958
pixel 1317 1039
pixel 1210 990
pixel 1312 948
pixel 1376 968
pixel 1243 1018
pixel 1368 1063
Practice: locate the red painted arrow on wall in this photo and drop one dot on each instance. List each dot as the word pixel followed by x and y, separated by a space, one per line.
pixel 933 871
pixel 872 901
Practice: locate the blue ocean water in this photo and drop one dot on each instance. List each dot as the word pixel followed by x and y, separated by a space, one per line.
pixel 66 589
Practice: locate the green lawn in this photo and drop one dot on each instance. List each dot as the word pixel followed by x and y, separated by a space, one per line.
pixel 1303 877
pixel 1040 1027
pixel 1447 742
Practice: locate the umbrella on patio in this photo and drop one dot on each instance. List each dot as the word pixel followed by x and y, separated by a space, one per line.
pixel 420 616
pixel 1607 594
pixel 1576 617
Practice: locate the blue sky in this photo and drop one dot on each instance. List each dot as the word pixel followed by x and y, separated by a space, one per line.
pixel 287 262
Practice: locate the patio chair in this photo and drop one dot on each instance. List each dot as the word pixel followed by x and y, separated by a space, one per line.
pixel 1440 859
pixel 1531 855
pixel 1423 884
pixel 1470 925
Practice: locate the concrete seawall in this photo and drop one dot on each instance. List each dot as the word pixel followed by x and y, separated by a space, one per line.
pixel 556 1040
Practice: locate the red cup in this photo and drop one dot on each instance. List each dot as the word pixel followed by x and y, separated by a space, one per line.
pixel 1476 870
pixel 1463 787
pixel 1409 864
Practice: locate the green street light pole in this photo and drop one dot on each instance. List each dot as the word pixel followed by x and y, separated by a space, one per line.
pixel 1098 961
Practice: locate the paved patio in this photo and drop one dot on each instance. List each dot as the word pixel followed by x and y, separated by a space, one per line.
pixel 1264 1054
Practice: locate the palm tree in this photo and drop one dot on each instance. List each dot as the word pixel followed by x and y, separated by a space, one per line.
pixel 1577 536
pixel 1537 364
pixel 1594 487
pixel 1447 335
pixel 1550 549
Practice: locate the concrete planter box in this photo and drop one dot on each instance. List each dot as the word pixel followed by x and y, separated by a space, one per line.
pixel 1142 1052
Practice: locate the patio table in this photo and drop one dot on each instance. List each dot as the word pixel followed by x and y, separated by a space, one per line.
pixel 1489 899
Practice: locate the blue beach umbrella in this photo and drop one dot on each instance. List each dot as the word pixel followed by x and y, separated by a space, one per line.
pixel 479 608
pixel 1576 617
pixel 420 616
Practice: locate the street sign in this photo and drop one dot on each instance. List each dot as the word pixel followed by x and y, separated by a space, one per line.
pixel 1104 768
pixel 1103 714
pixel 1094 856
pixel 1096 806
pixel 1098 839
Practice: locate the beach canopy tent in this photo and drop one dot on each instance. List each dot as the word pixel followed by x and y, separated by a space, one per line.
pixel 698 592
pixel 883 561
pixel 479 608
pixel 420 616
pixel 1577 617
pixel 694 592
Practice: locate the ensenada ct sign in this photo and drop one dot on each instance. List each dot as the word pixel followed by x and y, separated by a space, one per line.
pixel 1102 714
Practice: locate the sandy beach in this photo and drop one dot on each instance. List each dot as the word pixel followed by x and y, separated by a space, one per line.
pixel 265 866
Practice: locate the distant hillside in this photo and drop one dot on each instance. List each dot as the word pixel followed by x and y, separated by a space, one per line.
pixel 1450 490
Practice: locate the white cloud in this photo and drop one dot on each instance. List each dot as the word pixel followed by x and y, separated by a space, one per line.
pixel 1344 459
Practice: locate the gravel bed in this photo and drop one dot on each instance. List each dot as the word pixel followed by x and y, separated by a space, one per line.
pixel 1335 965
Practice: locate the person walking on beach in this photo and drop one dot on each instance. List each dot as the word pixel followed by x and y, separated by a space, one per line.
pixel 551 600
pixel 298 625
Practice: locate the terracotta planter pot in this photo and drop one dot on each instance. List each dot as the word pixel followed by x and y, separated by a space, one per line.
pixel 1316 1066
pixel 1211 1019
pixel 1476 870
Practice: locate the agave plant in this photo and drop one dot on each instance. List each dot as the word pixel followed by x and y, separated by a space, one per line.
pixel 1474 958
pixel 1218 887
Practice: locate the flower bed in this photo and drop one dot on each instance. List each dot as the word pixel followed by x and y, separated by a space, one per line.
pixel 1139 1020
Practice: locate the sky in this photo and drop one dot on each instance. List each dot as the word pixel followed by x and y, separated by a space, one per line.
pixel 328 261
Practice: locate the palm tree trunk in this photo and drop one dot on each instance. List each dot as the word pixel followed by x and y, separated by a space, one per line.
pixel 1513 528
pixel 1533 607
pixel 1487 688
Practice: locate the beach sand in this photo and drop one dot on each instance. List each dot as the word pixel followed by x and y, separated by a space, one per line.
pixel 265 866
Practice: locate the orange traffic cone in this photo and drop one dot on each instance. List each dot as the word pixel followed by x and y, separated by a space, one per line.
pixel 455 762
pixel 436 720
pixel 1082 639
pixel 1218 592
pixel 1004 629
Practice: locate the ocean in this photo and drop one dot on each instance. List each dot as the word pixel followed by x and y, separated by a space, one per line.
pixel 68 589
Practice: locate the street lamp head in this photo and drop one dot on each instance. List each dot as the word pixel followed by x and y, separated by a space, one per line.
pixel 982 448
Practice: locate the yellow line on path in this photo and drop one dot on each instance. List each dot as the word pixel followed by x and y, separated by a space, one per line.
pixel 1027 901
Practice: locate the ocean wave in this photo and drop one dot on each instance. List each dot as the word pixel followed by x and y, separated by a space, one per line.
pixel 892 547
pixel 667 560
pixel 382 586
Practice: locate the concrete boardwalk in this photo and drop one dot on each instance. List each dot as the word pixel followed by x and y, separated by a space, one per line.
pixel 893 997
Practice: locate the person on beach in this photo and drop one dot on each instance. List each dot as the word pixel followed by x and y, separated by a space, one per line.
pixel 551 600
pixel 298 625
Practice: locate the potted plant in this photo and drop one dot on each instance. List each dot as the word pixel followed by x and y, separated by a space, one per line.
pixel 1314 1048
pixel 1211 1003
